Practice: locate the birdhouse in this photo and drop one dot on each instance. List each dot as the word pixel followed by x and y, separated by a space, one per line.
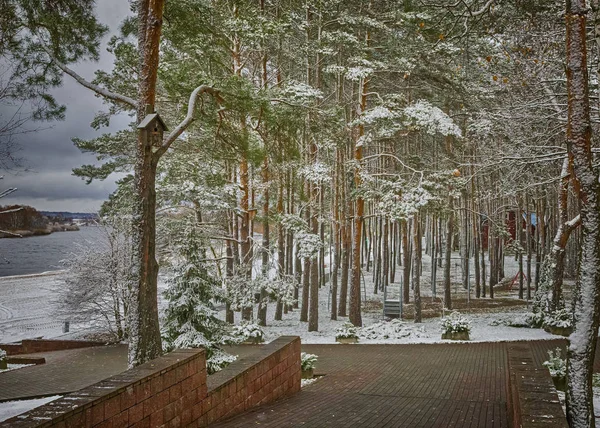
pixel 153 128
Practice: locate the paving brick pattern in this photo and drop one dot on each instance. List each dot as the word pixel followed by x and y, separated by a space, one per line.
pixel 64 371
pixel 455 385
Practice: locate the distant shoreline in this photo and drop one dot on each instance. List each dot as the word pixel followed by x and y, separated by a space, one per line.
pixel 16 234
pixel 33 275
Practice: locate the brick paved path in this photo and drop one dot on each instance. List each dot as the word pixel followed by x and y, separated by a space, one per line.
pixel 451 385
pixel 365 385
pixel 64 371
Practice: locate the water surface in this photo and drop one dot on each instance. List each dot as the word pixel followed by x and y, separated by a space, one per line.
pixel 37 254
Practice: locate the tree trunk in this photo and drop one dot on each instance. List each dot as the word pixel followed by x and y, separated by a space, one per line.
pixel 529 245
pixel 336 238
pixel 355 300
pixel 519 236
pixel 447 265
pixel 144 340
pixel 579 397
pixel 406 258
pixel 416 267
pixel 262 305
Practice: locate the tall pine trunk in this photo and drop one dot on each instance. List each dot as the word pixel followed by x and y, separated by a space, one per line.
pixel 144 340
pixel 586 302
pixel 447 264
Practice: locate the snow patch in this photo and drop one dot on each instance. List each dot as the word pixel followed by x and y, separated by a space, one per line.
pixel 9 409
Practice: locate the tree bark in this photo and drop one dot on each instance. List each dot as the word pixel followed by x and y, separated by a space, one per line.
pixel 586 303
pixel 447 265
pixel 262 305
pixel 406 258
pixel 417 267
pixel 144 340
pixel 355 300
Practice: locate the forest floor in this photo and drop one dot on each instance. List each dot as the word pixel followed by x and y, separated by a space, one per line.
pixel 491 319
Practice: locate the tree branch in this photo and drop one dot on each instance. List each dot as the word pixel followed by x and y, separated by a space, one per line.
pixel 96 88
pixel 189 118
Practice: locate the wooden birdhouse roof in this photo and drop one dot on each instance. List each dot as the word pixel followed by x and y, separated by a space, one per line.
pixel 149 119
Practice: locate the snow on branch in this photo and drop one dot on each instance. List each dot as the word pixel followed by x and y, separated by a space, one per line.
pixel 317 173
pixel 423 115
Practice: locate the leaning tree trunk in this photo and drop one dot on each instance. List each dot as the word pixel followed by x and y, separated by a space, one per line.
pixel 548 298
pixel 579 397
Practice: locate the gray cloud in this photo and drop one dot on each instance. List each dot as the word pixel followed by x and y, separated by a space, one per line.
pixel 49 154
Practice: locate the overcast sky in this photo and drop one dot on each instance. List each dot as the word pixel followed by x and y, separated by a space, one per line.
pixel 50 155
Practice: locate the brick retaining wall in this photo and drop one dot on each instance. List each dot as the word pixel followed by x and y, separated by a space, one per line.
pixel 32 346
pixel 172 391
pixel 265 376
pixel 532 401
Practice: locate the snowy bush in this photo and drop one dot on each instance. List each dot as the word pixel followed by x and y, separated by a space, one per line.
pixel 561 318
pixel 346 331
pixel 97 280
pixel 2 355
pixel 394 329
pixel 556 365
pixel 455 323
pixel 218 360
pixel 248 331
pixel 535 319
pixel 308 361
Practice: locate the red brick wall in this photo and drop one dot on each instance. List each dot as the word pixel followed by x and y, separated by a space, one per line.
pixel 172 391
pixel 532 400
pixel 269 374
pixel 31 346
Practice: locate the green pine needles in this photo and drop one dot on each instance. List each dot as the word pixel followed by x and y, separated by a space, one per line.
pixel 190 319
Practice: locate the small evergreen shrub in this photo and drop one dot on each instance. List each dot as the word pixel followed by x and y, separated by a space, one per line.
pixel 561 318
pixel 535 319
pixel 308 361
pixel 556 364
pixel 247 331
pixel 346 331
pixel 455 323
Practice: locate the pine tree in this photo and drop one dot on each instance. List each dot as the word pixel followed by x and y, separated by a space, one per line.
pixel 190 319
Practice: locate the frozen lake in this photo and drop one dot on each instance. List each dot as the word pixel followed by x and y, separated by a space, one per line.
pixel 37 254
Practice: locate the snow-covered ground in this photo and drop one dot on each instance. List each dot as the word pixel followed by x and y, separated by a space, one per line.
pixel 28 310
pixel 8 409
pixel 485 327
pixel 26 307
